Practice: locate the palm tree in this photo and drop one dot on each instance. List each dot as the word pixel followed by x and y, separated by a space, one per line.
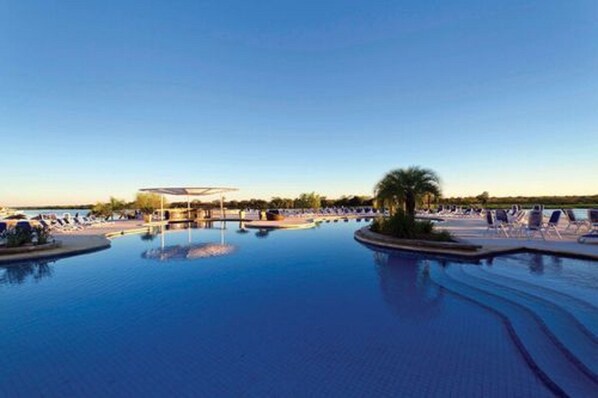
pixel 405 187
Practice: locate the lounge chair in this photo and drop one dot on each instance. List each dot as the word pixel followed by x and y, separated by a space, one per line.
pixel 592 235
pixel 81 222
pixel 553 222
pixel 46 224
pixel 64 226
pixel 573 220
pixel 534 224
pixel 72 223
pixel 503 219
pixel 493 225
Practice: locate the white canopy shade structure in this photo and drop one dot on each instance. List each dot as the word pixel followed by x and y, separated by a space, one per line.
pixel 188 192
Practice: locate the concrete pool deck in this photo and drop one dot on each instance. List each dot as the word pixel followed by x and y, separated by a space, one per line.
pixel 474 231
pixel 70 246
pixel 76 242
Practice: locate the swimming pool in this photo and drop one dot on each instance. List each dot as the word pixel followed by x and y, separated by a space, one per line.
pixel 309 313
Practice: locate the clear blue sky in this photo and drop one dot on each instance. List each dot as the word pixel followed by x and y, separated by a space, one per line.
pixel 283 97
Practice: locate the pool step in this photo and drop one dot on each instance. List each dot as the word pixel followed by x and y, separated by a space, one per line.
pixel 584 312
pixel 546 358
pixel 571 287
pixel 572 337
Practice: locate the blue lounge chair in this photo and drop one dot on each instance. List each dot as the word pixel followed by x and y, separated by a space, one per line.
pixel 573 220
pixel 503 219
pixel 494 225
pixel 46 224
pixel 62 225
pixel 553 222
pixel 534 224
pixel 592 235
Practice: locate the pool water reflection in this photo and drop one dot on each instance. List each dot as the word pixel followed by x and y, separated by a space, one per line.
pixel 309 313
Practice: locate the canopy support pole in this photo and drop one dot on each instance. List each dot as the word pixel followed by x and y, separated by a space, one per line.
pixel 188 208
pixel 222 207
pixel 162 222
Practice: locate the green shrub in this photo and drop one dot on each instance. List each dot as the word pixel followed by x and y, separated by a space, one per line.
pixel 42 235
pixel 16 237
pixel 423 228
pixel 401 226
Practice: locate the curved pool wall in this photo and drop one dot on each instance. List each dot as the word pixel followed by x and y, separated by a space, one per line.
pixel 309 313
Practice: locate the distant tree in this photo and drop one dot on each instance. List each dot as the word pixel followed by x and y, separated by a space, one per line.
pixel 404 188
pixel 101 209
pixel 281 203
pixel 258 204
pixel 147 203
pixel 117 206
pixel 483 198
pixel 356 200
pixel 308 201
pixel 107 209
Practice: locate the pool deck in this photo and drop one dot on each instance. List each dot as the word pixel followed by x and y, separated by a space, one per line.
pixel 473 230
pixel 70 246
pixel 76 242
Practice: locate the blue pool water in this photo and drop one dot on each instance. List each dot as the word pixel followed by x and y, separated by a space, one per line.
pixel 295 313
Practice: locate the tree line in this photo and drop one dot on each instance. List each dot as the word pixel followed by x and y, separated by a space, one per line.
pixel 385 192
pixel 148 202
pixel 485 200
pixel 309 200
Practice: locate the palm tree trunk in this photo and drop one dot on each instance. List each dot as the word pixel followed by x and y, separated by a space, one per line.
pixel 410 205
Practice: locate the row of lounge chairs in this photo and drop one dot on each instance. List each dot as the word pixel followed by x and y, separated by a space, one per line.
pixel 324 212
pixel 332 212
pixel 452 211
pixel 67 223
pixel 449 211
pixel 516 224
